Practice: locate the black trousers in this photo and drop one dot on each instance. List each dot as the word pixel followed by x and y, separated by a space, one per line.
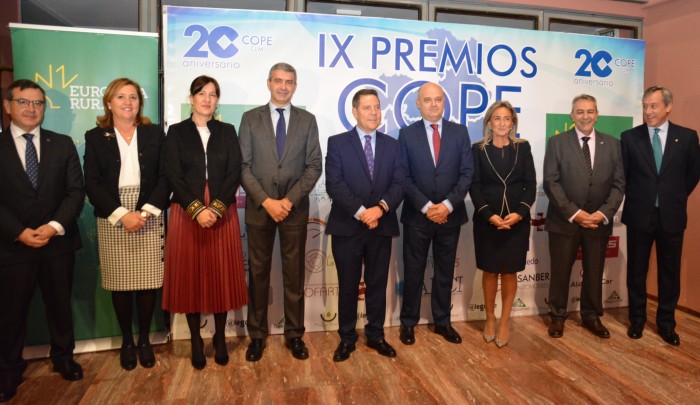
pixel 669 248
pixel 416 244
pixel 350 253
pixel 261 240
pixel 54 276
pixel 562 253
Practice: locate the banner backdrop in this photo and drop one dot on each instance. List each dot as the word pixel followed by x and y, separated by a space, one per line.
pixel 74 66
pixel 538 72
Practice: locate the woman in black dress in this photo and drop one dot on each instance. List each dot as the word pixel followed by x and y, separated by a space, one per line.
pixel 503 190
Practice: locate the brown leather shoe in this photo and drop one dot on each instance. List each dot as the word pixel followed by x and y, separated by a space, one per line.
pixel 556 328
pixel 596 327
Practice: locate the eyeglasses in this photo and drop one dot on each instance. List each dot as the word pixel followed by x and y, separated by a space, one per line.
pixel 24 103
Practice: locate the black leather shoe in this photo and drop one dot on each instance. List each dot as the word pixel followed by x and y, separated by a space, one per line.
pixel 449 333
pixel 342 352
pixel 127 357
pixel 7 393
pixel 146 356
pixel 407 336
pixel 199 361
pixel 69 370
pixel 382 347
pixel 670 336
pixel 596 327
pixel 255 350
pixel 298 348
pixel 556 328
pixel 635 330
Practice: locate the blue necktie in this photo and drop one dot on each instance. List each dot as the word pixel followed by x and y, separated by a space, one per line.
pixel 31 161
pixel 658 151
pixel 280 133
pixel 369 155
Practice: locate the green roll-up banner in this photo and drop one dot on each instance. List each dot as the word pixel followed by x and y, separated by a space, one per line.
pixel 74 66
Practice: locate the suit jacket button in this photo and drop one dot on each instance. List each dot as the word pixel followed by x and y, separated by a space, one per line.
pixel 279 167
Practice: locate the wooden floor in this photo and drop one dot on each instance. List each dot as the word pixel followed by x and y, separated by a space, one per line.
pixel 533 369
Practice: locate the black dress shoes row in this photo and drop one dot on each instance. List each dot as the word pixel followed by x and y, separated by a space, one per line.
pixel 255 350
pixel 342 352
pixel 670 336
pixel 407 336
pixel 596 327
pixel 382 347
pixel 127 357
pixel 298 348
pixel 69 369
pixel 635 330
pixel 556 328
pixel 449 333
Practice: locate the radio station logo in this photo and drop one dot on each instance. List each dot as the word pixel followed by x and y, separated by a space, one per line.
pixel 596 67
pixel 216 47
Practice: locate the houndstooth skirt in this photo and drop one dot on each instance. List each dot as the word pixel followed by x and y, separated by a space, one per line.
pixel 131 261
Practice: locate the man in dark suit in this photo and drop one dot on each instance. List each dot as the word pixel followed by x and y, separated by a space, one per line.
pixel 281 163
pixel 585 183
pixel 364 178
pixel 662 165
pixel 42 198
pixel 437 157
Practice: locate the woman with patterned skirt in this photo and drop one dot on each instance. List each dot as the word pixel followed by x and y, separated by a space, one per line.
pixel 125 183
pixel 204 260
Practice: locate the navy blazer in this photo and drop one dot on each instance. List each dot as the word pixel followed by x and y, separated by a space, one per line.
pixel 186 168
pixel 425 182
pixel 102 164
pixel 59 197
pixel 349 184
pixel 679 174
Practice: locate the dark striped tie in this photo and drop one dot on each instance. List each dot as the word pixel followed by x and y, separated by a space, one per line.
pixel 31 161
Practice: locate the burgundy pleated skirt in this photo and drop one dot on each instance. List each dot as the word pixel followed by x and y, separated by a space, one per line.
pixel 203 266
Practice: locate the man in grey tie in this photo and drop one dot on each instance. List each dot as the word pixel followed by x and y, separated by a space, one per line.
pixel 42 196
pixel 281 164
pixel 662 166
pixel 584 181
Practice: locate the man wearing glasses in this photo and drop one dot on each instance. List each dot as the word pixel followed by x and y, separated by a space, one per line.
pixel 42 198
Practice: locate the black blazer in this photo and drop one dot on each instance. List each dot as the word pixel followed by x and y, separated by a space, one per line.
pixel 425 182
pixel 102 163
pixel 679 174
pixel 492 195
pixel 59 197
pixel 349 184
pixel 186 168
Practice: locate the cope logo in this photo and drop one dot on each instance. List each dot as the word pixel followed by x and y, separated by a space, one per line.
pixel 598 64
pixel 218 41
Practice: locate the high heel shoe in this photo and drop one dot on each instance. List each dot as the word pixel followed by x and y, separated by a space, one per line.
pixel 146 356
pixel 489 337
pixel 198 359
pixel 501 343
pixel 221 353
pixel 127 357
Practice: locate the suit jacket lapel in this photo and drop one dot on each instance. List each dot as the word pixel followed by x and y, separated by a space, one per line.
pixel 269 131
pixel 7 143
pixel 422 138
pixel 379 154
pixel 356 144
pixel 672 145
pixel 644 143
pixel 46 156
pixel 143 138
pixel 573 143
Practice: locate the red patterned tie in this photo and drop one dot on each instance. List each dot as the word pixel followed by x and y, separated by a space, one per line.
pixel 436 142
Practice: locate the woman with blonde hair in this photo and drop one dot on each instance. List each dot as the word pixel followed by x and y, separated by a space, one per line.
pixel 502 191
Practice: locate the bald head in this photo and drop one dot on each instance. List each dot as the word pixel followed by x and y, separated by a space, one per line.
pixel 431 102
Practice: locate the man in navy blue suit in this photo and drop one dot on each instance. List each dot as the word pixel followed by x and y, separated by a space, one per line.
pixel 437 156
pixel 364 178
pixel 662 165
